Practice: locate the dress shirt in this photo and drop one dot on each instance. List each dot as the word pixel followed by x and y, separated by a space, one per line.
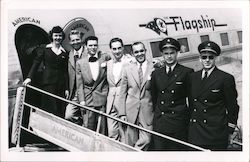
pixel 143 66
pixel 94 67
pixel 79 52
pixel 172 68
pixel 208 72
pixel 117 68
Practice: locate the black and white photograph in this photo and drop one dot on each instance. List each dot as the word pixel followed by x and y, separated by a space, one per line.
pixel 124 81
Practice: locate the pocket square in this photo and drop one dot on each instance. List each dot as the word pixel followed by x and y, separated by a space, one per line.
pixel 215 90
pixel 179 83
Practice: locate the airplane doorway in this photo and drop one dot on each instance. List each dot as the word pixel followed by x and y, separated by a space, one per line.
pixel 28 38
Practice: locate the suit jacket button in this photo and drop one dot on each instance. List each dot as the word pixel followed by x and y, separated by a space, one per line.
pixel 195 99
pixel 162 92
pixel 162 113
pixel 172 102
pixel 194 120
pixel 205 101
pixel 194 110
pixel 191 120
pixel 205 121
pixel 204 110
pixel 162 102
pixel 172 112
pixel 172 91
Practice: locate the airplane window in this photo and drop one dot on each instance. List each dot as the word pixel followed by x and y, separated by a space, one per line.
pixel 155 49
pixel 184 45
pixel 239 36
pixel 128 49
pixel 224 39
pixel 204 38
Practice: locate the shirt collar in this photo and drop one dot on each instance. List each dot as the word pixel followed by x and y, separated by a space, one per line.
pixel 143 64
pixel 208 72
pixel 172 67
pixel 60 48
pixel 96 55
pixel 79 52
pixel 121 60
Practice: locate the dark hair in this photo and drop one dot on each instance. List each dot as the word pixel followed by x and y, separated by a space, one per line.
pixel 115 40
pixel 76 32
pixel 90 38
pixel 56 29
pixel 136 43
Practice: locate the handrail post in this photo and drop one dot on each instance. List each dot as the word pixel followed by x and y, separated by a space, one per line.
pixel 18 116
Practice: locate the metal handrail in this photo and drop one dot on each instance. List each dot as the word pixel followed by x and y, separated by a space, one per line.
pixel 119 120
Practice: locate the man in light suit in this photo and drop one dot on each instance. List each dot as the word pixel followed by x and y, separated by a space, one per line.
pixel 92 85
pixel 213 102
pixel 169 86
pixel 135 103
pixel 114 71
pixel 73 113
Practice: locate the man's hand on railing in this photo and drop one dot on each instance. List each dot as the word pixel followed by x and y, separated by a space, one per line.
pixel 124 118
pixel 67 94
pixel 26 81
pixel 82 103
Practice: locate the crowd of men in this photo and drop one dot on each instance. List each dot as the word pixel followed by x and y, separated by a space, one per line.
pixel 196 107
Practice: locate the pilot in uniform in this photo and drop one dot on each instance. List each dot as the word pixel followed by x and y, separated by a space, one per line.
pixel 213 102
pixel 169 95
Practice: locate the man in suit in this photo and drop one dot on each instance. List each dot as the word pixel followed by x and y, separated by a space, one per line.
pixel 213 102
pixel 169 94
pixel 114 71
pixel 92 85
pixel 73 113
pixel 135 103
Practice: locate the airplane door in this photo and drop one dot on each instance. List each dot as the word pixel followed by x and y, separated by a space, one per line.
pixel 27 38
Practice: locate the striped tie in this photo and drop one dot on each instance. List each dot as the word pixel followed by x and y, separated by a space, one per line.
pixel 205 76
pixel 140 74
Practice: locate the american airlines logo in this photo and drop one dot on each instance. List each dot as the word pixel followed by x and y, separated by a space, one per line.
pixel 159 25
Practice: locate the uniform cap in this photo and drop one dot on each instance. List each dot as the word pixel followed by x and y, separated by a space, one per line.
pixel 209 46
pixel 169 43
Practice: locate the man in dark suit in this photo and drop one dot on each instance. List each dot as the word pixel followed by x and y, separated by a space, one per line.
pixel 92 85
pixel 213 102
pixel 169 93
pixel 73 112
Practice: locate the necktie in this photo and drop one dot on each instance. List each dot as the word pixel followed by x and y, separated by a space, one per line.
pixel 76 57
pixel 92 59
pixel 169 70
pixel 205 76
pixel 140 74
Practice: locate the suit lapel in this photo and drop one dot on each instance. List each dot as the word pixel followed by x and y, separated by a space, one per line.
pixel 71 59
pixel 101 71
pixel 147 74
pixel 86 69
pixel 110 65
pixel 134 72
pixel 205 85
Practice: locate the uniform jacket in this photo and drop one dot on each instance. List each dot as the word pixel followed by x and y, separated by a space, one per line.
pixel 169 93
pixel 55 67
pixel 72 72
pixel 94 93
pixel 133 97
pixel 213 103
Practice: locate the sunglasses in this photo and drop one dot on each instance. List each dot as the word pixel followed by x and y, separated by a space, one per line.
pixel 141 51
pixel 211 57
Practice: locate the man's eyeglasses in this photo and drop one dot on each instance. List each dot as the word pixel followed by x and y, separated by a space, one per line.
pixel 141 51
pixel 211 57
